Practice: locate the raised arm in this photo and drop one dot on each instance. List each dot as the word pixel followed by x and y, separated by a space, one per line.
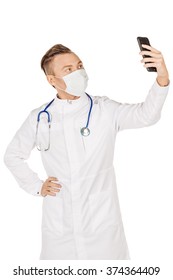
pixel 125 116
pixel 156 60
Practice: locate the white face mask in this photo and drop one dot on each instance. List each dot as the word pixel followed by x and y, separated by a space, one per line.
pixel 76 82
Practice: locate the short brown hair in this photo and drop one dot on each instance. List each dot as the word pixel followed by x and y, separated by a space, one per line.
pixel 47 58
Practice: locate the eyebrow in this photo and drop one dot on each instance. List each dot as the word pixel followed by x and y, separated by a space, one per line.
pixel 66 66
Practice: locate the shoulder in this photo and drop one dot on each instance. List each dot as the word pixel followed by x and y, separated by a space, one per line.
pixel 104 101
pixel 40 108
pixel 98 99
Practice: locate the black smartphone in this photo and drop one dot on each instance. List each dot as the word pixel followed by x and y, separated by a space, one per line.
pixel 145 40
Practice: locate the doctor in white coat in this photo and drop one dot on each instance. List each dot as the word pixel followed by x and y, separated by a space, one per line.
pixel 81 215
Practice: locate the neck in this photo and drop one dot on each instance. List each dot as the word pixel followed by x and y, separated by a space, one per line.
pixel 64 95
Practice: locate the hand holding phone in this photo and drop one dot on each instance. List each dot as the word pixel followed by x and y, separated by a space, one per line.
pixel 145 40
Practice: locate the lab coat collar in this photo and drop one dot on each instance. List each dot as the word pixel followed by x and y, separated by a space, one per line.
pixel 70 105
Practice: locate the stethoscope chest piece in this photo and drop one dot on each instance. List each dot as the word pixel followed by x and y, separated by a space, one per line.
pixel 85 131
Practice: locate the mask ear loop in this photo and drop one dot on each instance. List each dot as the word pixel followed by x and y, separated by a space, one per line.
pixel 59 87
pixel 64 82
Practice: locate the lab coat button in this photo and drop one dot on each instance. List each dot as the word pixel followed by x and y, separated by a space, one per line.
pixel 69 101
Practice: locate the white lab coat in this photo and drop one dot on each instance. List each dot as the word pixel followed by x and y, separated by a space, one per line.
pixel 83 221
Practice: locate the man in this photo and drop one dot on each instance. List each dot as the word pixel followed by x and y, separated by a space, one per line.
pixel 81 214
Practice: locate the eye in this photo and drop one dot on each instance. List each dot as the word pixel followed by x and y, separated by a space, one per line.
pixel 80 66
pixel 68 70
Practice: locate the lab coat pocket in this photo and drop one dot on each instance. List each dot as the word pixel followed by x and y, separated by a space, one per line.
pixel 104 212
pixel 52 219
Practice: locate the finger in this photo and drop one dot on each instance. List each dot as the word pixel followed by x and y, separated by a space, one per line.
pixel 51 192
pixel 150 59
pixel 146 65
pixel 54 185
pixel 150 48
pixel 156 55
pixel 43 194
pixel 51 179
pixel 52 189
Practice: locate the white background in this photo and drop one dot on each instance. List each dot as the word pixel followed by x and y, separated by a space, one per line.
pixel 103 34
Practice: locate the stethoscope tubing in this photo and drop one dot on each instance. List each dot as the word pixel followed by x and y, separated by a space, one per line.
pixel 45 111
pixel 89 109
pixel 85 131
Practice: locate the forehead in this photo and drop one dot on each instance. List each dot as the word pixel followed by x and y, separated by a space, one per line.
pixel 64 59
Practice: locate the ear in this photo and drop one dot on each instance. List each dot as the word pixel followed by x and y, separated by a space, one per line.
pixel 51 80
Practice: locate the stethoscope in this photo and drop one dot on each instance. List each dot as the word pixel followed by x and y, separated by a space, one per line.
pixel 85 131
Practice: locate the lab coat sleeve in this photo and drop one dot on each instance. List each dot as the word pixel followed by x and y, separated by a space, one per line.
pixel 18 151
pixel 126 116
